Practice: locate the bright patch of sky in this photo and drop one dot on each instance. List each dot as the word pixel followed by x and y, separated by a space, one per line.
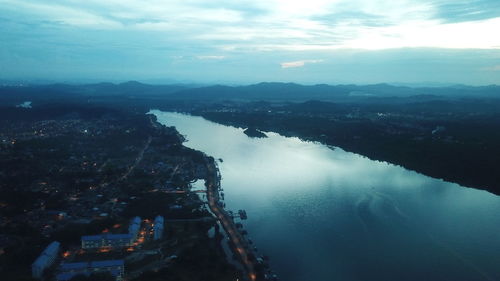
pixel 315 41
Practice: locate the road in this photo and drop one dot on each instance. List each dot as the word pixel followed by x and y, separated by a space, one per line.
pixel 240 245
pixel 138 159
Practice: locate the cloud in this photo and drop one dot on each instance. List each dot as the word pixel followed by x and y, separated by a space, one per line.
pixel 491 68
pixel 58 14
pixel 299 63
pixel 211 57
pixel 279 24
pixel 109 34
pixel 466 10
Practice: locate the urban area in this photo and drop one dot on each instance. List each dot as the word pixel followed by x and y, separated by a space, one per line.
pixel 98 194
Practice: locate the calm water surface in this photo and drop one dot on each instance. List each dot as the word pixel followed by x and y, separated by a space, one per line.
pixel 326 215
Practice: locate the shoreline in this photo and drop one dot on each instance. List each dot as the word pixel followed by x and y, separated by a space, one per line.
pixel 237 243
pixel 401 153
pixel 253 265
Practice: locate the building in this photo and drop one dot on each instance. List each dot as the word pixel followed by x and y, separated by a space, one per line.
pixel 158 228
pixel 45 260
pixel 133 228
pixel 70 270
pixel 107 240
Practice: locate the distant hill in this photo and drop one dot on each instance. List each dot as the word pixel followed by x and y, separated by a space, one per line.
pixel 11 95
pixel 338 93
pixel 110 89
pixel 257 92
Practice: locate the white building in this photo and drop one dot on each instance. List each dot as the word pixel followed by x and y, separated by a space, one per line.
pixel 69 270
pixel 45 260
pixel 107 240
pixel 133 228
pixel 158 228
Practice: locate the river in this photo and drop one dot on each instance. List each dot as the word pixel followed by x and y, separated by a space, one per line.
pixel 324 214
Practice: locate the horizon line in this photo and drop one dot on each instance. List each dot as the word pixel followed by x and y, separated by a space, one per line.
pixel 84 82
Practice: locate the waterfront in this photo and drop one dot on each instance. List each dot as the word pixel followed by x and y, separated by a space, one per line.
pixel 323 214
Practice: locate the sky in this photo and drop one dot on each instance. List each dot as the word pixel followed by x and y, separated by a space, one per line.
pixel 250 41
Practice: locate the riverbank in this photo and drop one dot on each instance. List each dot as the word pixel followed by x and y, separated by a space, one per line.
pixel 254 270
pixel 450 142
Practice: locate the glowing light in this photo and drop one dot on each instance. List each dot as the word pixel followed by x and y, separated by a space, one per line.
pixel 104 250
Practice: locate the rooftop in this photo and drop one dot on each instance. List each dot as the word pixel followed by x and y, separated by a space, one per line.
pixel 159 219
pixel 73 266
pixel 106 236
pixel 106 263
pixel 65 276
pixel 92 264
pixel 48 253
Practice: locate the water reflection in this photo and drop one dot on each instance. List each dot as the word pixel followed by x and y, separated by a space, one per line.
pixel 325 214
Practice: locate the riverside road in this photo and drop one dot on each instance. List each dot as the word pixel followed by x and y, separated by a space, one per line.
pixel 239 244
